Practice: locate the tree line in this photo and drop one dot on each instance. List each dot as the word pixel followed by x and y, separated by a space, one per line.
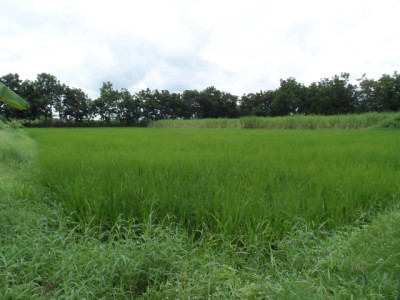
pixel 51 100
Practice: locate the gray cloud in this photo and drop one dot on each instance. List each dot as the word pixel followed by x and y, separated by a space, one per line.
pixel 182 45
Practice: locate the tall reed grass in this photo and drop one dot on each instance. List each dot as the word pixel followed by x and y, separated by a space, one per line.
pixel 287 122
pixel 197 123
pixel 227 181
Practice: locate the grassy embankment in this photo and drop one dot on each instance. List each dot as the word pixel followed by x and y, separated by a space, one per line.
pixel 45 253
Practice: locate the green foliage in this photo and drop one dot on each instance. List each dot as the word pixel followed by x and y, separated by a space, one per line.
pixel 75 105
pixel 258 104
pixel 107 104
pixel 50 91
pixel 220 181
pixel 289 98
pixel 130 108
pixel 332 96
pixel 14 124
pixel 392 123
pixel 9 97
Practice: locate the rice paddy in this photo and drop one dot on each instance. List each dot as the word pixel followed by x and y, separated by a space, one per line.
pixel 232 181
pixel 69 227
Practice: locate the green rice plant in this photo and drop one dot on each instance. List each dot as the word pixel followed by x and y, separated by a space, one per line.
pixel 231 181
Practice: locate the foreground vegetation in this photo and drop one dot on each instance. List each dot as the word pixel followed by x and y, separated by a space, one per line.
pixel 44 253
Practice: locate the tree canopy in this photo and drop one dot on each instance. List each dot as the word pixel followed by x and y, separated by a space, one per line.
pixel 49 99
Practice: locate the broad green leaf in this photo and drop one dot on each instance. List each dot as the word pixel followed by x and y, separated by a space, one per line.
pixel 11 98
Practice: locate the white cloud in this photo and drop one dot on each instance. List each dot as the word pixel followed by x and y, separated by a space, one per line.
pixel 237 46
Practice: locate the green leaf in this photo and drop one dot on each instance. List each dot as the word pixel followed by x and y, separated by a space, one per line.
pixel 11 98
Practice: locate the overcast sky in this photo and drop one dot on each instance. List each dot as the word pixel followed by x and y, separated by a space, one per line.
pixel 236 46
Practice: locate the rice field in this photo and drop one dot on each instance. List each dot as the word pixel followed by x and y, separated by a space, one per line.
pixel 233 182
pixel 46 253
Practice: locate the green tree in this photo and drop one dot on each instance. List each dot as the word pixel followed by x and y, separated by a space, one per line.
pixel 12 81
pixel 228 105
pixel 388 93
pixel 367 98
pixel 176 104
pixel 313 103
pixel 332 96
pixel 289 98
pixel 36 107
pixel 151 109
pixel 212 103
pixel 344 94
pixel 50 91
pixel 257 104
pixel 165 105
pixel 190 108
pixel 207 103
pixel 107 104
pixel 130 108
pixel 76 104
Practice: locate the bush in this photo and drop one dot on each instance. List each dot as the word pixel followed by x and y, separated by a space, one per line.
pixel 393 122
pixel 14 124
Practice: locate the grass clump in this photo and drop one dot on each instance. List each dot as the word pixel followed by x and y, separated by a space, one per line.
pixel 390 123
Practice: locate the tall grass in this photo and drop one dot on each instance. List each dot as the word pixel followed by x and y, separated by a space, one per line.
pixel 393 122
pixel 231 181
pixel 288 122
pixel 316 122
pixel 197 123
